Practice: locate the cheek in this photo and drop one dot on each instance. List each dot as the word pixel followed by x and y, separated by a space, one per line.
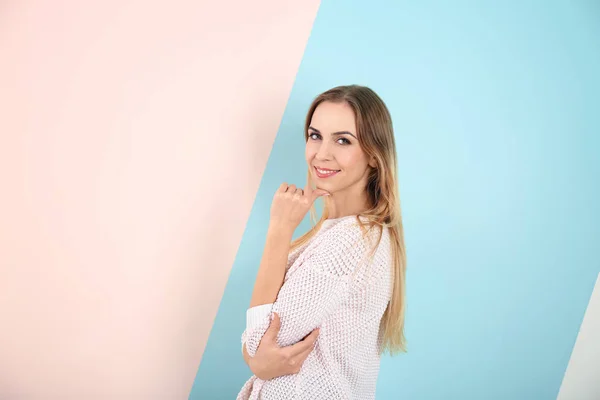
pixel 351 159
pixel 310 151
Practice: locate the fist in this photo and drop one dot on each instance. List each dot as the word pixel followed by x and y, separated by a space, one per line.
pixel 290 204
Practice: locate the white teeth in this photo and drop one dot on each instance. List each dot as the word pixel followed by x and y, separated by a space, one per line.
pixel 326 172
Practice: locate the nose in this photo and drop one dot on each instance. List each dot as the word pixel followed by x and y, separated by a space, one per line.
pixel 324 152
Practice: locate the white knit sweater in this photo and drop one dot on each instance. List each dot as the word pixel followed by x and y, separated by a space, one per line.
pixel 330 283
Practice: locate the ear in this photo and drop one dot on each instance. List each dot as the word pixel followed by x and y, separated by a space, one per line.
pixel 373 162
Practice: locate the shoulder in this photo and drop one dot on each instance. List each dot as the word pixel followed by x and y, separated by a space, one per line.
pixel 347 232
pixel 345 243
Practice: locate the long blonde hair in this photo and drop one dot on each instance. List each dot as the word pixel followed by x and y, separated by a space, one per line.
pixel 376 138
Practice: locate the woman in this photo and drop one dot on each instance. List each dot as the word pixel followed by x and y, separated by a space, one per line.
pixel 336 294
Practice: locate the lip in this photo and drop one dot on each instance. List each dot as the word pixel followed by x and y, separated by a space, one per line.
pixel 326 175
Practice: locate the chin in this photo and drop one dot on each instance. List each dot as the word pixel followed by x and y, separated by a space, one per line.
pixel 328 188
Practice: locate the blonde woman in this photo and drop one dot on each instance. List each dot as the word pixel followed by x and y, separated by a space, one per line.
pixel 326 306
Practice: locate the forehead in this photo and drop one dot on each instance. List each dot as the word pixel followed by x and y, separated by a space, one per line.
pixel 333 117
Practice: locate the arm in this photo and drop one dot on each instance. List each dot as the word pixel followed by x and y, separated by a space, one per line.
pixel 316 288
pixel 290 205
pixel 247 357
pixel 272 361
pixel 272 266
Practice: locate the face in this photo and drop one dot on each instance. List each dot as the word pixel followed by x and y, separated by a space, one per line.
pixel 334 156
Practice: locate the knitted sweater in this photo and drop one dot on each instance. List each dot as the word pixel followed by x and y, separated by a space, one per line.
pixel 330 283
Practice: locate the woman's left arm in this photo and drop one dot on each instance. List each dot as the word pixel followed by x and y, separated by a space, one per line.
pixel 272 360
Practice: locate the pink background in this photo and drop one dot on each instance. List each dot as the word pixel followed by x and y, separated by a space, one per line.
pixel 133 138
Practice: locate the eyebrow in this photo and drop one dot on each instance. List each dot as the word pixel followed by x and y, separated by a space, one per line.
pixel 334 133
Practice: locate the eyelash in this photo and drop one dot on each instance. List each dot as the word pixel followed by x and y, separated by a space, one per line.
pixel 346 141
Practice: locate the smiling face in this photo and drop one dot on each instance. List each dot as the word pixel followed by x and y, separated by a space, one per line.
pixel 335 158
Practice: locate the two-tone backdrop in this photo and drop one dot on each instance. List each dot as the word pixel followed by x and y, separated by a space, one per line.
pixel 141 143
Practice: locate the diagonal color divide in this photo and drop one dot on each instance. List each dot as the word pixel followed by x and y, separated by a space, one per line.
pixel 495 112
pixel 133 138
pixel 582 378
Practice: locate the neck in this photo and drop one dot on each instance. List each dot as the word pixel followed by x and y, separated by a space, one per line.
pixel 350 201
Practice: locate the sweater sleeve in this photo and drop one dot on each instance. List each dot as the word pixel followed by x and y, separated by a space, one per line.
pixel 314 290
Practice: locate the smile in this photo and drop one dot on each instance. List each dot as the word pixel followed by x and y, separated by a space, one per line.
pixel 326 173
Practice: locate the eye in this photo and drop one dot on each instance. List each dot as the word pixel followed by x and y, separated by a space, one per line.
pixel 314 136
pixel 344 141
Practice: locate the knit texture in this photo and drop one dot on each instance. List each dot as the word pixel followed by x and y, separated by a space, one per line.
pixel 331 283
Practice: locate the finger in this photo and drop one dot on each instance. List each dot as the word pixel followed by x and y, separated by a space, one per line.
pixel 318 193
pixel 300 191
pixel 308 188
pixel 300 358
pixel 283 188
pixel 294 364
pixel 296 360
pixel 313 336
pixel 291 189
pixel 273 329
pixel 311 193
pixel 305 344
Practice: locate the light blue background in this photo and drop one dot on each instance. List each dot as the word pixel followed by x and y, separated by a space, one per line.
pixel 496 108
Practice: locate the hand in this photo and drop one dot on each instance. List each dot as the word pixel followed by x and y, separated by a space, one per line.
pixel 290 204
pixel 272 361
